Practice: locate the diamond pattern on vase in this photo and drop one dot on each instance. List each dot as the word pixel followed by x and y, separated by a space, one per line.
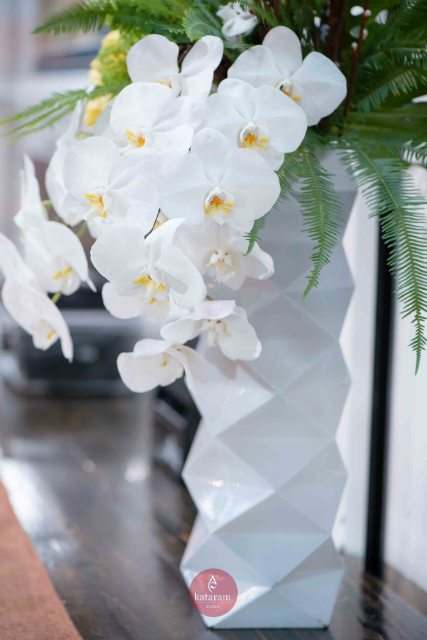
pixel 222 485
pixel 314 584
pixel 265 472
pixel 316 490
pixel 239 388
pixel 291 342
pixel 321 391
pixel 275 432
pixel 280 537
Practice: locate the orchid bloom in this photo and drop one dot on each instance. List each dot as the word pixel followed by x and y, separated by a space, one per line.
pixel 220 252
pixel 224 324
pixel 263 119
pixel 236 186
pixel 56 257
pixel 315 84
pixel 155 59
pixel 158 362
pixel 54 180
pixel 102 183
pixel 147 115
pixel 32 213
pixel 237 21
pixel 147 275
pixel 38 315
pixel 27 303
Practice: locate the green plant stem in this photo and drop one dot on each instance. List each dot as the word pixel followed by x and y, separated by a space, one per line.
pixel 356 54
pixel 56 297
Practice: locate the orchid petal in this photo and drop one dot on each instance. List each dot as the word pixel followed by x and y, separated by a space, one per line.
pixel 323 86
pixel 212 147
pixel 286 47
pixel 152 58
pixel 257 66
pixel 184 190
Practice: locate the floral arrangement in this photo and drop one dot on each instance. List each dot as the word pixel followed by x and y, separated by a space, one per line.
pixel 197 120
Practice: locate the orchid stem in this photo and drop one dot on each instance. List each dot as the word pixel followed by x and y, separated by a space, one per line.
pixel 356 54
pixel 56 297
pixel 82 230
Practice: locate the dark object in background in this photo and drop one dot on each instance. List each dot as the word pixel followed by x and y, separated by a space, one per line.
pixel 176 419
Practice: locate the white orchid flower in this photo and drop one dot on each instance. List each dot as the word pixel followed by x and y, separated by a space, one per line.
pixel 102 183
pixel 220 252
pixel 158 362
pixel 147 115
pixel 263 119
pixel 13 266
pixel 225 325
pixel 32 212
pixel 56 256
pixel 236 186
pixel 238 21
pixel 147 275
pixel 316 84
pixel 54 180
pixel 25 299
pixel 155 59
pixel 38 315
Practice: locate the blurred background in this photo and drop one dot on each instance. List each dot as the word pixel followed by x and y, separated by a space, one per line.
pixel 31 68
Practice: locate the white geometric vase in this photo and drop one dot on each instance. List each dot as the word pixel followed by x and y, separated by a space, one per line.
pixel 264 469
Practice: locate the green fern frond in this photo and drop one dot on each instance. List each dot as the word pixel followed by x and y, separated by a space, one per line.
pixel 321 208
pixel 392 197
pixel 137 15
pixel 264 13
pixel 58 103
pixel 252 236
pixel 196 25
pixel 395 81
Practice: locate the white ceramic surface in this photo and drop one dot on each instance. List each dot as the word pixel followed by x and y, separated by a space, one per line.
pixel 264 469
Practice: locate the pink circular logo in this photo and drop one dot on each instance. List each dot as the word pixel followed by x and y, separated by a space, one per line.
pixel 213 592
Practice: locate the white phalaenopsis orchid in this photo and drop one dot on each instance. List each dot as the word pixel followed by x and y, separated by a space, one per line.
pixel 220 252
pixel 38 315
pixel 54 180
pixel 237 20
pixel 316 84
pixel 32 212
pixel 56 256
pixel 262 119
pixel 24 298
pixel 225 325
pixel 148 115
pixel 102 183
pixel 155 59
pixel 147 276
pixel 236 186
pixel 158 362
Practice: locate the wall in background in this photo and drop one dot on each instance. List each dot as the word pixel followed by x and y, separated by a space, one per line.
pixel 406 515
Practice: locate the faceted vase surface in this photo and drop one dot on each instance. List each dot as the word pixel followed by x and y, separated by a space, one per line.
pixel 264 469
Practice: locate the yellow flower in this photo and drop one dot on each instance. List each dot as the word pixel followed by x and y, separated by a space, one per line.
pixel 94 108
pixel 111 38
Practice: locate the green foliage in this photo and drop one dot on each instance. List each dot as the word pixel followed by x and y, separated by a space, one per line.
pixel 392 197
pixel 138 16
pixel 199 21
pixel 52 109
pixel 321 209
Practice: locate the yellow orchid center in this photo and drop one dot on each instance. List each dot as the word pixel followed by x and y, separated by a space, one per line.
pixel 218 204
pixel 62 274
pixel 152 289
pixel 137 140
pixel 97 207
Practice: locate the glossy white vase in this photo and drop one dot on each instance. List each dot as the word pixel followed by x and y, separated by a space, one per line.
pixel 264 469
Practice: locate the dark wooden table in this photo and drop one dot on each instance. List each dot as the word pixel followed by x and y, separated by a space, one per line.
pixel 111 528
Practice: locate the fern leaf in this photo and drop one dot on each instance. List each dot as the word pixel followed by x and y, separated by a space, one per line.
pixel 197 25
pixel 321 209
pixel 252 236
pixel 392 197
